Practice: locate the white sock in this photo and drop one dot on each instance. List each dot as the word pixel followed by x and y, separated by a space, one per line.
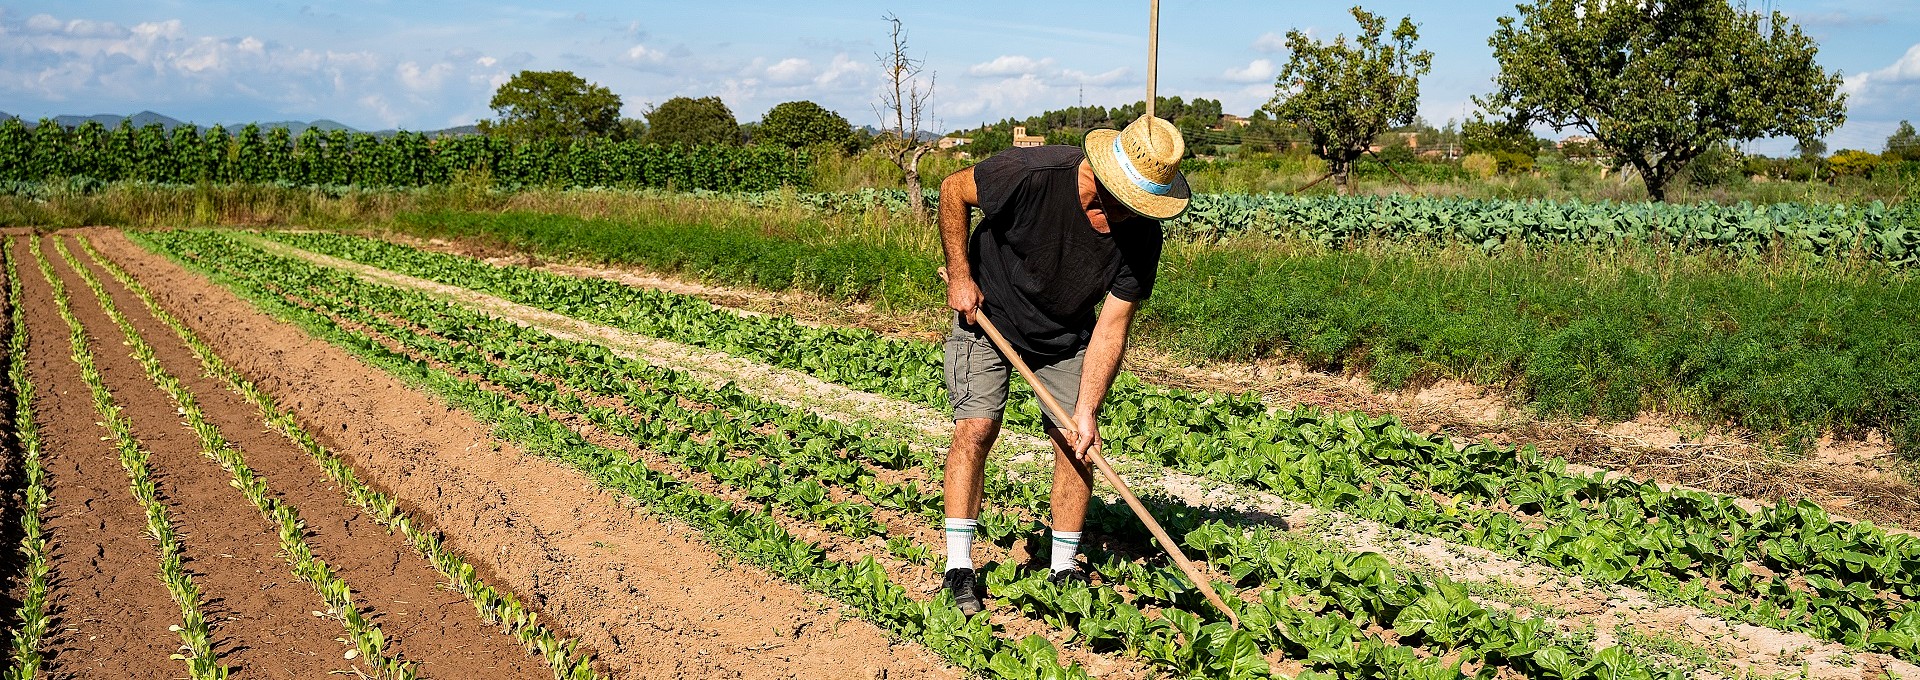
pixel 1065 545
pixel 960 542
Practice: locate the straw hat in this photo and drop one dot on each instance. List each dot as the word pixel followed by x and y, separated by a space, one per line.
pixel 1141 166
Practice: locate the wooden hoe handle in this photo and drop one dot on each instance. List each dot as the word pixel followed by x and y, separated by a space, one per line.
pixel 1065 423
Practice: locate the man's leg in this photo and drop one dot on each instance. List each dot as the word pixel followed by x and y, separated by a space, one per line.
pixel 1072 479
pixel 965 473
pixel 977 384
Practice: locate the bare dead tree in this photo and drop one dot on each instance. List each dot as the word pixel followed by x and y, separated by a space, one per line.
pixel 903 108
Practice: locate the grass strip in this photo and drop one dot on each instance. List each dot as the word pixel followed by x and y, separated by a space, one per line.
pixel 34 543
pixel 195 636
pixel 497 607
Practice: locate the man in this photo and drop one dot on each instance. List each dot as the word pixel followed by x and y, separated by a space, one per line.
pixel 1063 230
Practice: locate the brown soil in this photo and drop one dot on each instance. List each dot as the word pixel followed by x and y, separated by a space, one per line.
pixel 261 614
pixel 432 626
pixel 110 610
pixel 1852 478
pixel 645 595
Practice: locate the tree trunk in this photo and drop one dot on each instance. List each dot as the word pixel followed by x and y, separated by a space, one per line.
pixel 910 166
pixel 1655 177
pixel 1342 179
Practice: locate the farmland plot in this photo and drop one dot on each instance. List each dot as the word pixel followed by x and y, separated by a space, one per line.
pixel 541 473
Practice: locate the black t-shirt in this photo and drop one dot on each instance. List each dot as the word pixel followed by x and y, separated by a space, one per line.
pixel 1038 260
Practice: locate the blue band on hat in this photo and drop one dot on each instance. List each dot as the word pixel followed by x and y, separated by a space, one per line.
pixel 1133 173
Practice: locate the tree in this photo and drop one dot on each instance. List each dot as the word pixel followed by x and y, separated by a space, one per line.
pixel 692 122
pixel 803 124
pixel 903 104
pixel 1509 142
pixel 1810 148
pixel 1342 96
pixel 1903 145
pixel 1660 83
pixel 552 105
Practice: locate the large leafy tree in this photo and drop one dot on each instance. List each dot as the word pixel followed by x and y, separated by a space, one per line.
pixel 1659 83
pixel 693 122
pixel 805 124
pixel 1343 94
pixel 552 105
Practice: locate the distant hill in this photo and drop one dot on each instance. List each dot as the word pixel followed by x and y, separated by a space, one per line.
pixel 145 118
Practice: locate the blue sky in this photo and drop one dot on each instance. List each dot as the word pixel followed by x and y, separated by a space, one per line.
pixel 430 65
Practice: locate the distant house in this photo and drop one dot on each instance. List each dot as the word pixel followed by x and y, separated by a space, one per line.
pixel 1229 121
pixel 1576 140
pixel 1023 140
pixel 950 142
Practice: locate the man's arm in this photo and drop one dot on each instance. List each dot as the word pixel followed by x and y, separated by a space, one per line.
pixel 958 196
pixel 1102 363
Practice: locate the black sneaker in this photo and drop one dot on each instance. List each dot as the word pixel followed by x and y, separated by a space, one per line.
pixel 959 582
pixel 1066 576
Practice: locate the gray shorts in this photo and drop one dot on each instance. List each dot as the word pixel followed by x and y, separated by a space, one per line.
pixel 977 375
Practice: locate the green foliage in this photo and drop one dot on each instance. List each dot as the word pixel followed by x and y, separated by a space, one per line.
pixel 552 106
pixel 1659 84
pixel 1343 97
pixel 692 122
pixel 49 152
pixel 1903 144
pixel 1853 163
pixel 804 124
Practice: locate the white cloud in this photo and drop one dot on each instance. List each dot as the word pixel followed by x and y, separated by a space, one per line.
pixel 1106 78
pixel 1902 74
pixel 161 65
pixel 486 62
pixel 1258 70
pixel 1010 65
pixel 790 70
pixel 1270 42
pixel 845 71
pixel 641 54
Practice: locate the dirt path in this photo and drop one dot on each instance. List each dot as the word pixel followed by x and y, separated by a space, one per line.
pixel 432 626
pixel 110 611
pixel 260 613
pixel 1859 479
pixel 647 596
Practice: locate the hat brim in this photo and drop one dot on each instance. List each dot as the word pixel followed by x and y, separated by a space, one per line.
pixel 1106 169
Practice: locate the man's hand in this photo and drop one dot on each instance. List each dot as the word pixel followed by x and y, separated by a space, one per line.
pixel 1086 435
pixel 964 296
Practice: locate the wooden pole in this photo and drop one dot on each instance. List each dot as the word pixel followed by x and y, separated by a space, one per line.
pixel 1065 423
pixel 1153 53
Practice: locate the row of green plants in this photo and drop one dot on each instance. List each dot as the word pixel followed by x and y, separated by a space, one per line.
pixel 1859 577
pixel 752 536
pixel 1873 231
pixel 369 641
pixel 31 616
pixel 495 606
pixel 1101 619
pixel 195 636
pixel 187 155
